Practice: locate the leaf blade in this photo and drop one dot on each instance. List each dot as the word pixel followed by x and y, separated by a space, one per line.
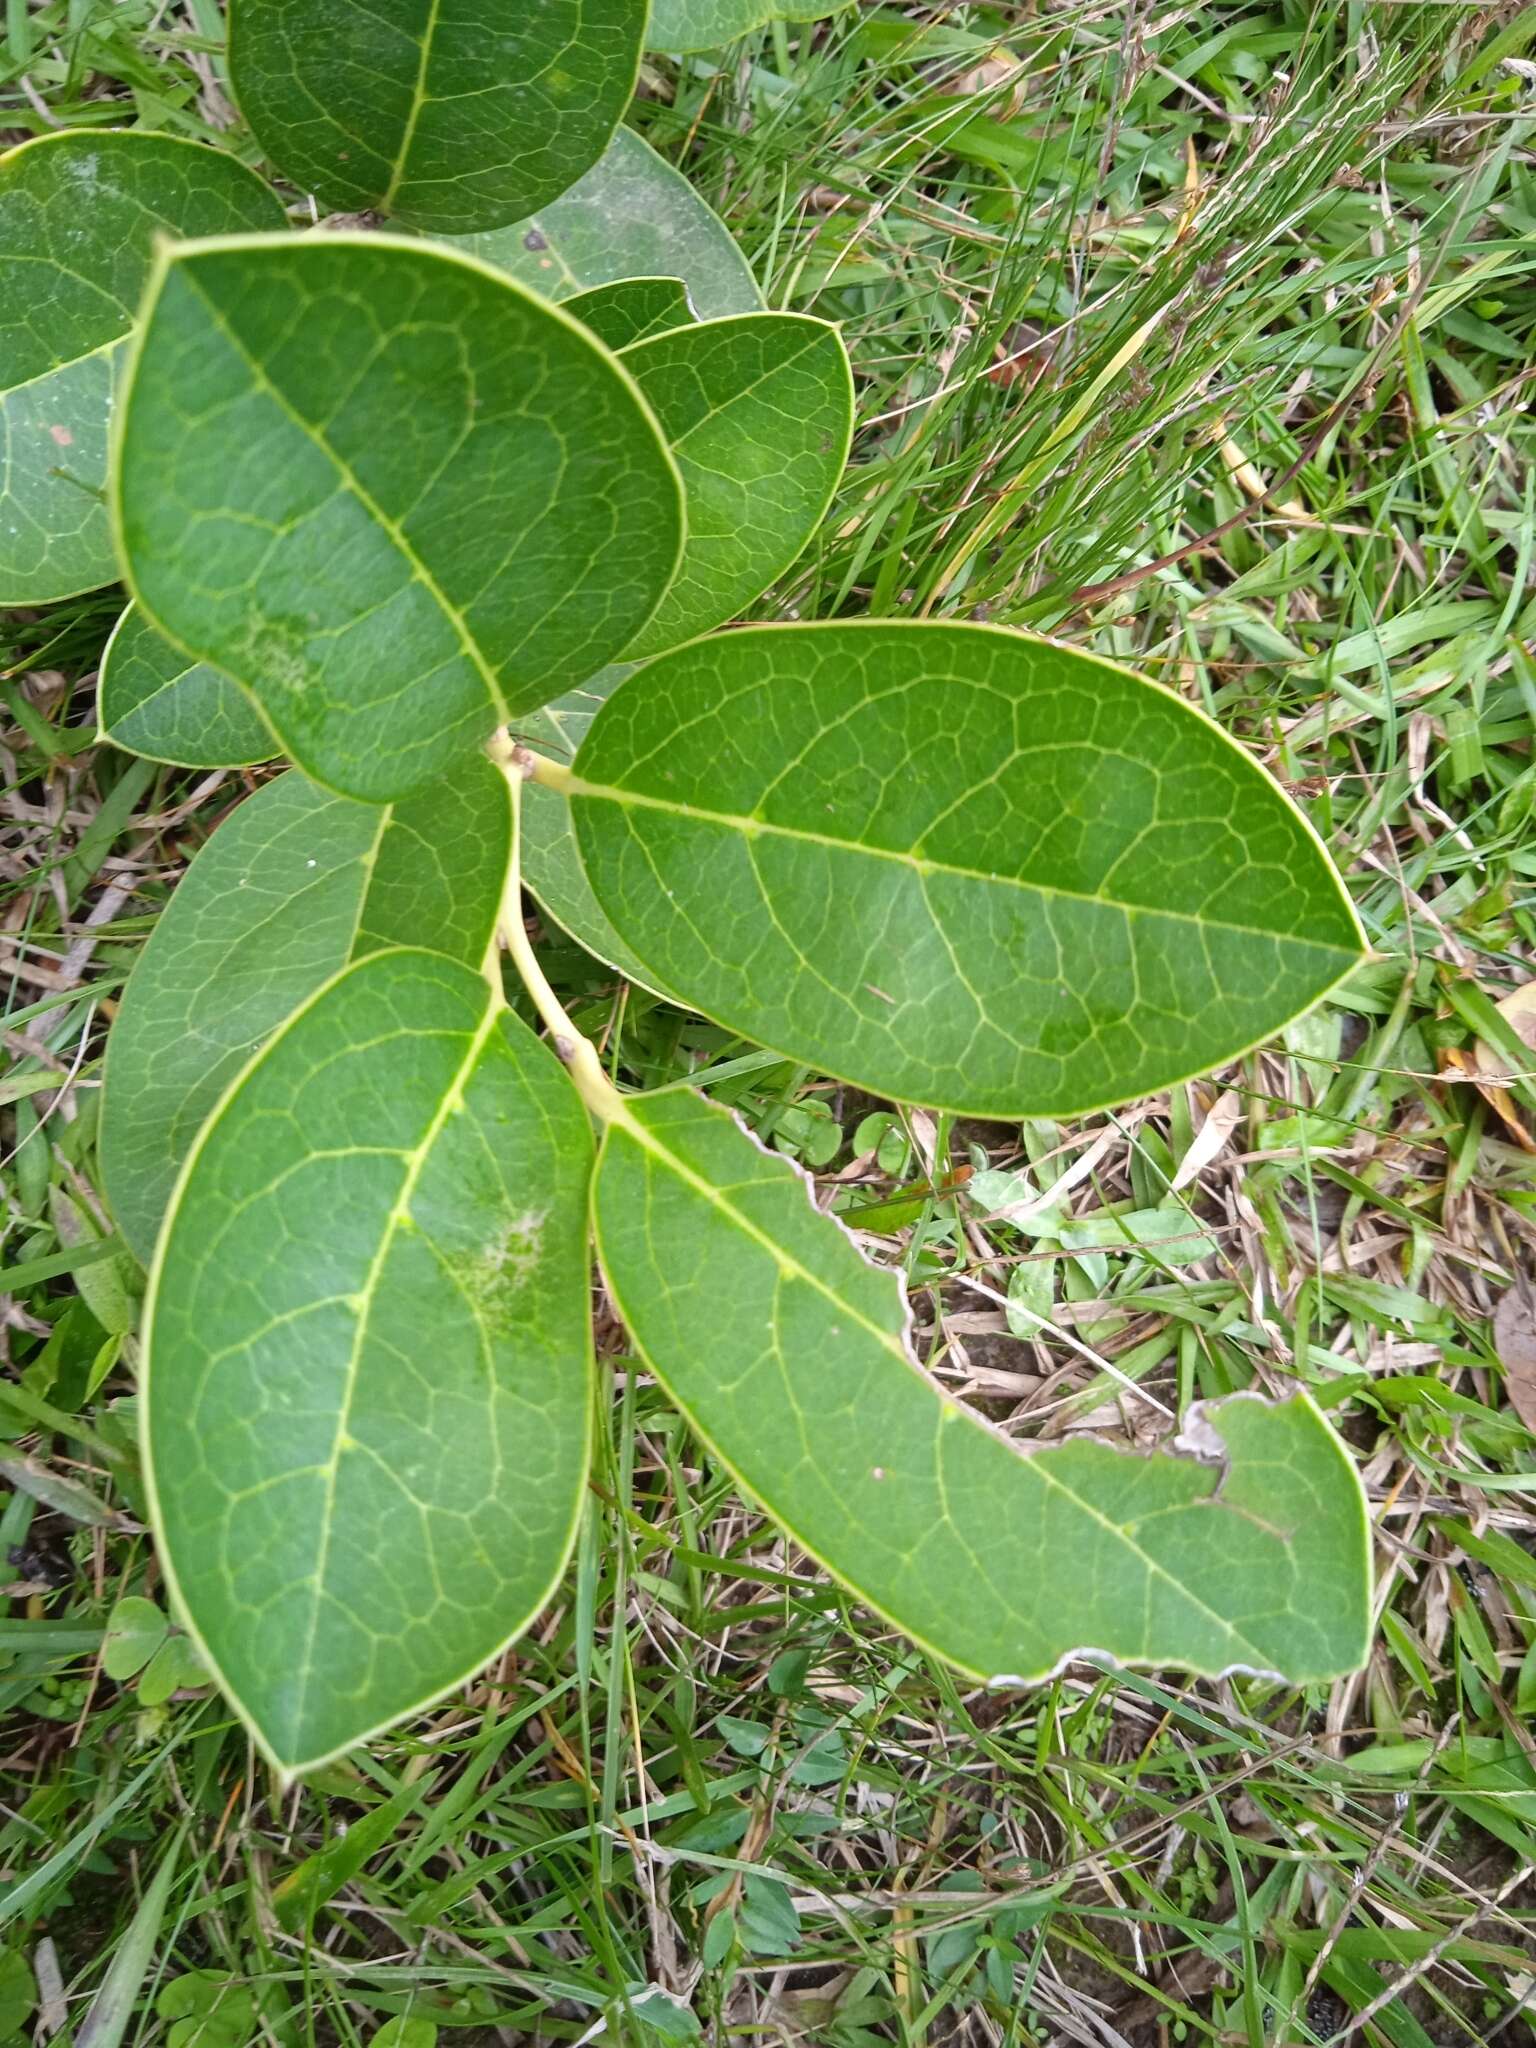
pixel 893 852
pixel 682 26
pixel 632 309
pixel 151 700
pixel 631 216
pixel 759 414
pixel 283 534
pixel 428 113
pixel 437 1316
pixel 288 889
pixel 812 1398
pixel 79 212
pixel 551 865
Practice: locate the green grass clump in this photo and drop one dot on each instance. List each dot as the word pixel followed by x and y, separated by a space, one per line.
pixel 1201 337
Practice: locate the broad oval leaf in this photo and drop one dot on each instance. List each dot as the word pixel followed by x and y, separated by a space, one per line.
pixel 396 497
pixel 759 414
pixel 551 865
pixel 632 309
pixel 788 1354
pixel 153 700
pixel 954 864
pixel 446 117
pixel 684 25
pixel 79 216
pixel 288 890
pixel 632 215
pixel 367 1374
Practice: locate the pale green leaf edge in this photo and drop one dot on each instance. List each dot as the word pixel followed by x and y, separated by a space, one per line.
pixel 574 785
pixel 107 737
pixel 288 1769
pixel 169 253
pixel 901 1350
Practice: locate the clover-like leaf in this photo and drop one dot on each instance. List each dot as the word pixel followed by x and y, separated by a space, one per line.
pixel 79 216
pixel 759 413
pixel 684 25
pixel 632 309
pixel 367 1377
pixel 632 215
pixel 1003 1559
pixel 436 112
pixel 153 700
pixel 953 864
pixel 396 497
pixel 288 890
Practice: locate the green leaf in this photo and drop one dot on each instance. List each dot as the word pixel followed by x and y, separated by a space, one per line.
pixel 953 864
pixel 320 1877
pixel 18 1993
pixel 632 309
pixel 135 1630
pixel 759 414
pixel 153 700
pixel 401 2032
pixel 79 215
pixel 632 215
pixel 396 497
pixel 435 112
pixel 292 886
pixel 368 1368
pixel 1002 1560
pixel 552 869
pixel 103 1287
pixel 683 25
pixel 175 1666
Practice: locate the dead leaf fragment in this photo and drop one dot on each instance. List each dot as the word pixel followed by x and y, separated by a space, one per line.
pixel 1514 1338
pixel 1487 1070
pixel 1221 1121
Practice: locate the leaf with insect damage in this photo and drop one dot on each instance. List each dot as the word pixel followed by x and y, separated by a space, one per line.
pixel 788 1354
